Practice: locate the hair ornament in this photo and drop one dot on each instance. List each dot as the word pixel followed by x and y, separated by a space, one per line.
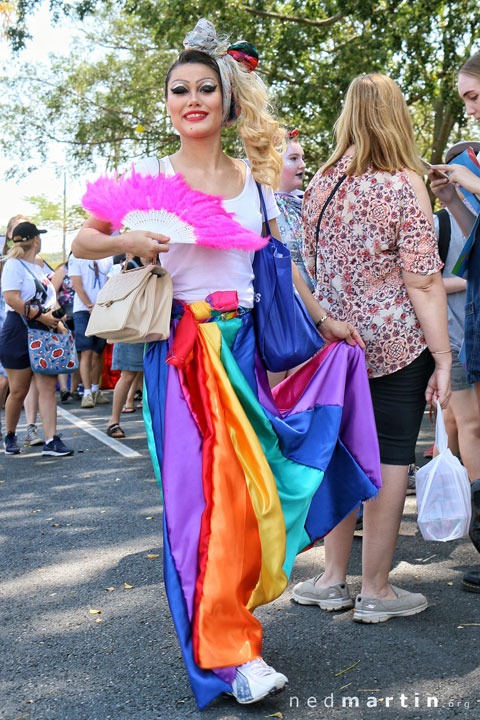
pixel 204 38
pixel 292 133
pixel 245 53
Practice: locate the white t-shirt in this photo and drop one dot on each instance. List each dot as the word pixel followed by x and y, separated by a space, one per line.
pixel 198 271
pixel 17 275
pixel 92 281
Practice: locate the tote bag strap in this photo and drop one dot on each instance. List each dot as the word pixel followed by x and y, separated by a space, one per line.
pixel 322 212
pixel 264 209
pixel 38 285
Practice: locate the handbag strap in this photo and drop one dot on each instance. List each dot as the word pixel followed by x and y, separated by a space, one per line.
pixel 264 210
pixel 322 212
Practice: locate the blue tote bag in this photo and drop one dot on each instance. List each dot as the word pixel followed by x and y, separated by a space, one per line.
pixel 285 333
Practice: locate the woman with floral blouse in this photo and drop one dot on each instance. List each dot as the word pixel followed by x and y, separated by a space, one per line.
pixel 372 256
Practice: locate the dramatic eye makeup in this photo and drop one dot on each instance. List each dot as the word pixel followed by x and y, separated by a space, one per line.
pixel 206 87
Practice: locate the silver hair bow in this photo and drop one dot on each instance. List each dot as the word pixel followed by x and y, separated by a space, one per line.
pixel 204 38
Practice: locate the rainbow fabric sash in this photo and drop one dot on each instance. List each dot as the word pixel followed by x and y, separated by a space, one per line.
pixel 249 478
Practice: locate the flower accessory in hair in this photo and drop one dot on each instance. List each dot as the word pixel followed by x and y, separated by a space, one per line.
pixel 167 205
pixel 293 133
pixel 204 38
pixel 245 53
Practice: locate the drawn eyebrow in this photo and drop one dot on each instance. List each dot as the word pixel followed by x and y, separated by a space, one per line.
pixel 179 80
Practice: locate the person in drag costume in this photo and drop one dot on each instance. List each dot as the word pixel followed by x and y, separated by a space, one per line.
pixel 249 478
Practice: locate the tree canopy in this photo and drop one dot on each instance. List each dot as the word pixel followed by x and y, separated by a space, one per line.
pixel 106 99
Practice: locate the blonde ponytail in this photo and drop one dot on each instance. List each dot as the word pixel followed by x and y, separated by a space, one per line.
pixel 262 136
pixel 18 249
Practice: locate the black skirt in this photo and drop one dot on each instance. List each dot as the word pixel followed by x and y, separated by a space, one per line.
pixel 398 404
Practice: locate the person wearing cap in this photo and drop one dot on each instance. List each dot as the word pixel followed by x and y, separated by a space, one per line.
pixel 30 404
pixel 468 86
pixel 28 295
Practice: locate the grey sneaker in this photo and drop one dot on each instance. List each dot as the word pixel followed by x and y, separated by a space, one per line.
pixel 335 597
pixel 411 486
pixel 99 398
pixel 373 610
pixel 31 438
pixel 87 401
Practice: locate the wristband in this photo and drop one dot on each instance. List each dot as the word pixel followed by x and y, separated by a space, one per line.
pixel 321 321
pixel 439 352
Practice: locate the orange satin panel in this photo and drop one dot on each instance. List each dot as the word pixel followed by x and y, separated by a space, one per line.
pixel 242 545
pixel 224 631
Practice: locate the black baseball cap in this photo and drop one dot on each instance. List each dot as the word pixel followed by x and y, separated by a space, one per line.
pixel 26 231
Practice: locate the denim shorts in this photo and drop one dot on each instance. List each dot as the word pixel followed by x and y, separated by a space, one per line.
pixel 13 342
pixel 472 314
pixel 128 356
pixel 458 376
pixel 82 342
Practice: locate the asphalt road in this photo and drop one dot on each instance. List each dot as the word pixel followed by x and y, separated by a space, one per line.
pixel 86 633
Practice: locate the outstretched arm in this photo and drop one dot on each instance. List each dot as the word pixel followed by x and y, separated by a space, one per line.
pixel 95 241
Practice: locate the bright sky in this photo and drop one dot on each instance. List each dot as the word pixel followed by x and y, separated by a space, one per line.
pixel 46 38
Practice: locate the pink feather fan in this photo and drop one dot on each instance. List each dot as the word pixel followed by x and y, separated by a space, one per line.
pixel 168 206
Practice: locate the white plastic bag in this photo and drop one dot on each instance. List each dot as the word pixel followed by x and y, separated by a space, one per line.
pixel 443 492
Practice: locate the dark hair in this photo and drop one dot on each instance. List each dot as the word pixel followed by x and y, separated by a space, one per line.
pixel 194 57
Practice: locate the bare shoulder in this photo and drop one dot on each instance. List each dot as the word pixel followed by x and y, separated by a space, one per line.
pixel 239 167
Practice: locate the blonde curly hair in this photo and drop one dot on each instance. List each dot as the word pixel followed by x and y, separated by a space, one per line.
pixel 262 136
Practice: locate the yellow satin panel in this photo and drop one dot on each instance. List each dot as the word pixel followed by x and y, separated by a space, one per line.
pixel 258 475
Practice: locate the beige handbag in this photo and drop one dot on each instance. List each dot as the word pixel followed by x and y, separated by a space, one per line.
pixel 134 306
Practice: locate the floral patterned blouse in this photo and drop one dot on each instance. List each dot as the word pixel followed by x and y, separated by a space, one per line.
pixel 372 229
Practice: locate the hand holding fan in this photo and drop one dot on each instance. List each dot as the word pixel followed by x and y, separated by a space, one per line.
pixel 168 206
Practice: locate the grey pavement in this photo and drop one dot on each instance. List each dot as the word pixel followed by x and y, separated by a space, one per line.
pixel 86 632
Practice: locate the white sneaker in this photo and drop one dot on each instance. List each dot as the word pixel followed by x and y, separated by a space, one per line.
pixel 255 680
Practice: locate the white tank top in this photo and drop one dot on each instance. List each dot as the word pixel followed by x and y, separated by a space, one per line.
pixel 198 271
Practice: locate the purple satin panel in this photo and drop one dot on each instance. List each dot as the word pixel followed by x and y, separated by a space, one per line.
pixel 358 420
pixel 226 673
pixel 184 502
pixel 320 382
pixel 341 379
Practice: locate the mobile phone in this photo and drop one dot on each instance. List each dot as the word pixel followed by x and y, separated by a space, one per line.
pixel 429 167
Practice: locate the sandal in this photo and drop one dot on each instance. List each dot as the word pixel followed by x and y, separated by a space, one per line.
pixel 115 431
pixel 138 395
pixel 139 406
pixel 127 409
